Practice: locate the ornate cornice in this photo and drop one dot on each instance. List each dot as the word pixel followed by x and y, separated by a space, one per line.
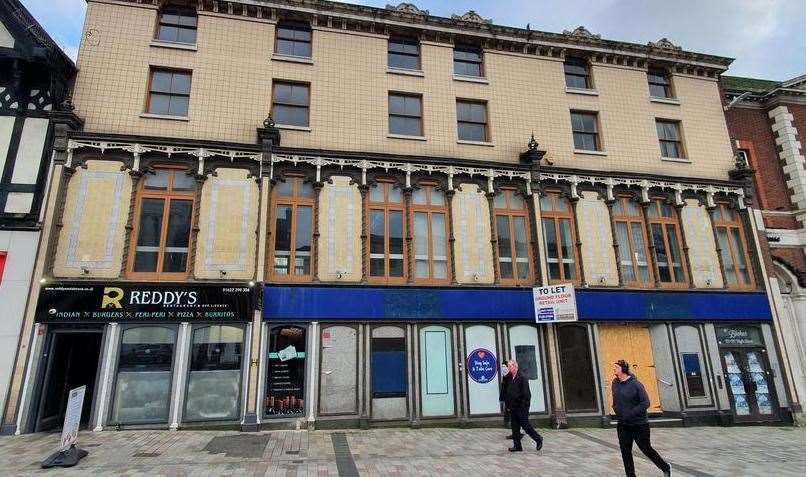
pixel 581 32
pixel 472 17
pixel 488 174
pixel 342 16
pixel 664 44
pixel 407 8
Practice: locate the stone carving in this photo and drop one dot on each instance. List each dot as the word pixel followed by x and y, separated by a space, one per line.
pixel 664 44
pixel 580 32
pixel 471 17
pixel 408 8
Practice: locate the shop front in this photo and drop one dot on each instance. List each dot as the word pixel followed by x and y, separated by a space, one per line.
pixel 155 355
pixel 748 373
pixel 430 355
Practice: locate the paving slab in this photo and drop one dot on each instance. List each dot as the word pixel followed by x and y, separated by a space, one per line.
pixel 697 452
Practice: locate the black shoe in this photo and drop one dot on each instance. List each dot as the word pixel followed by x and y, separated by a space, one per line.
pixel 539 444
pixel 516 449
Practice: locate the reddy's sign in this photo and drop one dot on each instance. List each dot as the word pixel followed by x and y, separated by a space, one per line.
pixel 555 303
pixel 88 302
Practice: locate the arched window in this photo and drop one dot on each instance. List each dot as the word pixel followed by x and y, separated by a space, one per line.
pixel 292 233
pixel 387 257
pixel 732 247
pixel 632 244
pixel 165 205
pixel 512 230
pixel 429 212
pixel 560 237
pixel 664 227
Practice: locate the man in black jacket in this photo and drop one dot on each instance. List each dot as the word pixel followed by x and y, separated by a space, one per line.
pixel 518 398
pixel 630 403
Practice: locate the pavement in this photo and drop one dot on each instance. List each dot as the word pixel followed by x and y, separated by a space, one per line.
pixel 698 451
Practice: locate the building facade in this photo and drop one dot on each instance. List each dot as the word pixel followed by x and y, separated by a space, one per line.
pixel 764 118
pixel 34 76
pixel 312 214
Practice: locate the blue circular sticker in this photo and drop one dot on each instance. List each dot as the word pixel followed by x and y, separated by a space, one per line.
pixel 481 365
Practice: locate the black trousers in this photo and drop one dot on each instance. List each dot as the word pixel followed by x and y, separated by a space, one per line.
pixel 506 418
pixel 520 420
pixel 640 435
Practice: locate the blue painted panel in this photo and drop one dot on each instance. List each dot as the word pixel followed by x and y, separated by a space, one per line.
pixel 388 373
pixel 303 303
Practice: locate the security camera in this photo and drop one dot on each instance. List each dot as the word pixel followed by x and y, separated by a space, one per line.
pixel 603 279
pixel 85 270
pixel 708 282
pixel 476 277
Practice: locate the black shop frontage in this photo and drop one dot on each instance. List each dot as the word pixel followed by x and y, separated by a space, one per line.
pixel 154 355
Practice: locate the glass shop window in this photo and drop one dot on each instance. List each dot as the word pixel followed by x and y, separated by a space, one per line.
pixel 285 386
pixel 143 389
pixel 214 380
pixel 389 367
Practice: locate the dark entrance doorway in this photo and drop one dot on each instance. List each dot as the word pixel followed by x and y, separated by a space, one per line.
pixel 72 360
pixel 749 384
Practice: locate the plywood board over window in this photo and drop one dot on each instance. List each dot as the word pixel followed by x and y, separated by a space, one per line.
pixel 339 231
pixel 471 222
pixel 227 222
pixel 94 222
pixel 702 254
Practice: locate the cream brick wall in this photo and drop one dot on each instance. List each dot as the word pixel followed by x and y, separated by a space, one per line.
pixel 473 253
pixel 596 236
pixel 228 217
pixel 701 246
pixel 96 210
pixel 233 72
pixel 340 231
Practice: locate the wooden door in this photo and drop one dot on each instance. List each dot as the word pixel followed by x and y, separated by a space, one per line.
pixel 632 343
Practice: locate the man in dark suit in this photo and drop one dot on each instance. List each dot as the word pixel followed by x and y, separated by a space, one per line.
pixel 518 398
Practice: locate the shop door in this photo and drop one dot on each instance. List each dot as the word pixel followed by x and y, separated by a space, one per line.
pixel 482 370
pixel 338 391
pixel 632 343
pixel 749 383
pixel 436 371
pixel 72 361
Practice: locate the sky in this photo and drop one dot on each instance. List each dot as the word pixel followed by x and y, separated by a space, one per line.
pixel 766 37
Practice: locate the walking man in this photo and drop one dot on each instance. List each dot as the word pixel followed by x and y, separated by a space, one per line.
pixel 517 398
pixel 505 380
pixel 630 402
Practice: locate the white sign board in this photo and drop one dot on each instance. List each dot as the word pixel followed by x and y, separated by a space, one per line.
pixel 72 417
pixel 555 303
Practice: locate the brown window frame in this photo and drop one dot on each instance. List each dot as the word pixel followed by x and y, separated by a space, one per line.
pixel 486 122
pixel 719 221
pixel 577 61
pixel 511 213
pixel 596 133
pixel 180 12
pixel 668 91
pixel 274 103
pixel 659 219
pixel 419 98
pixel 396 47
pixel 170 94
pixel 386 207
pixel 168 196
pixel 629 220
pixel 464 51
pixel 681 151
pixel 430 210
pixel 554 215
pixel 295 200
pixel 295 27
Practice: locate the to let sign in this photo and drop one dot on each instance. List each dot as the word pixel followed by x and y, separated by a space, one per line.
pixel 555 303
